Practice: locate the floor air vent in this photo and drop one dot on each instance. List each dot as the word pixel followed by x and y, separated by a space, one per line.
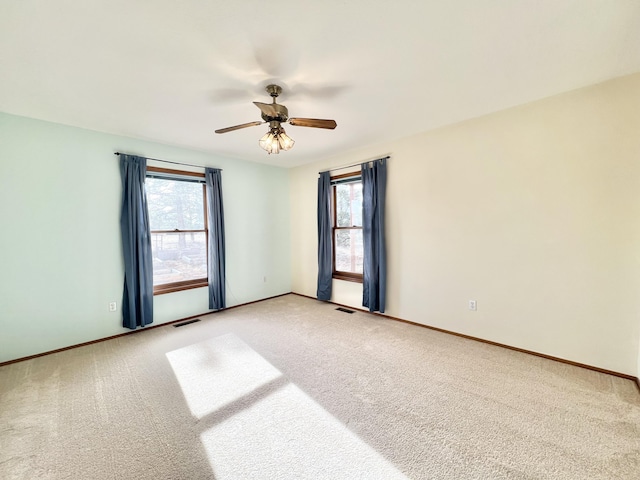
pixel 345 310
pixel 186 323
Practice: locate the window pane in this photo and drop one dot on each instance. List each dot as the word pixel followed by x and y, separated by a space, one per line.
pixel 349 205
pixel 174 204
pixel 349 250
pixel 178 257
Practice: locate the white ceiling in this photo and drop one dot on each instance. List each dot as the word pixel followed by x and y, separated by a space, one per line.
pixel 174 71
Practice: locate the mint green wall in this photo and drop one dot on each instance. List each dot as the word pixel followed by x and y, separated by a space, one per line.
pixel 60 248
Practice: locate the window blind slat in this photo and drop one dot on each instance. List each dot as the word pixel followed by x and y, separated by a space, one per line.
pixel 174 176
pixel 342 181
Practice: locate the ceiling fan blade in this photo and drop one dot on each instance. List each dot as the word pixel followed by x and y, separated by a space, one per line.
pixel 313 122
pixel 267 109
pixel 238 127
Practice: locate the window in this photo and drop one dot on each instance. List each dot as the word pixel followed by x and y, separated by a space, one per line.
pixel 178 223
pixel 347 227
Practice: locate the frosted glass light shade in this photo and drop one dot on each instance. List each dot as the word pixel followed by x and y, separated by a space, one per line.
pixel 285 141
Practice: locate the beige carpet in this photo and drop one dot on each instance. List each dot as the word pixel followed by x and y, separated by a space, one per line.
pixel 290 388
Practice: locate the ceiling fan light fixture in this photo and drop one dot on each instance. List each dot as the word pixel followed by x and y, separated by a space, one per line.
pixel 275 140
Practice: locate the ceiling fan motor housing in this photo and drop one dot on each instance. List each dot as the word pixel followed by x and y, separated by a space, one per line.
pixel 280 111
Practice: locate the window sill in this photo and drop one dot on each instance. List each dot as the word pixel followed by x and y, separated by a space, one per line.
pixel 354 277
pixel 179 286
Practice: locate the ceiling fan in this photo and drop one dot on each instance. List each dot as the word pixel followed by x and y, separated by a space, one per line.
pixel 275 115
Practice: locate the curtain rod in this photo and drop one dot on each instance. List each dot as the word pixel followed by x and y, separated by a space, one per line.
pixel 354 165
pixel 167 161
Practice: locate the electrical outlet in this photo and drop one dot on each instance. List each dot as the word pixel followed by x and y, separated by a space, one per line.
pixel 473 305
pixel 113 306
pixel 264 279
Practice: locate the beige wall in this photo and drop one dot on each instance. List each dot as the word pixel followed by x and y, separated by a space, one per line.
pixel 534 212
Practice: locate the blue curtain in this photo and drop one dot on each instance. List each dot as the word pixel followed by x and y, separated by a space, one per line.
pixel 137 299
pixel 325 258
pixel 374 185
pixel 216 250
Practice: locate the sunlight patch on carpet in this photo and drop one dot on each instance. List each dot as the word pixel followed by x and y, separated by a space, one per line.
pixel 263 426
pixel 287 435
pixel 216 373
pixel 258 425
